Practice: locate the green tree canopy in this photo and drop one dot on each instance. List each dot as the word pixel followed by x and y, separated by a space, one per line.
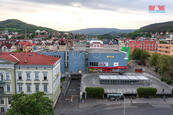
pixel 136 55
pixel 34 104
pixel 153 60
pixel 140 55
pixel 144 56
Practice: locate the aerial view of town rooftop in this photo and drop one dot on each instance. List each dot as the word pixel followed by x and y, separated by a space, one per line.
pixel 78 57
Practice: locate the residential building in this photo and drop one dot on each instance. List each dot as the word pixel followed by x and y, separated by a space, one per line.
pixel 7 47
pixel 28 47
pixel 36 72
pixel 166 49
pixel 96 44
pixel 7 83
pixel 61 55
pixel 148 45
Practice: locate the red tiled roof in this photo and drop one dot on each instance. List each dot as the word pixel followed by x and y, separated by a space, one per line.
pixel 22 42
pixel 29 58
pixel 29 44
pixel 45 43
pixel 8 45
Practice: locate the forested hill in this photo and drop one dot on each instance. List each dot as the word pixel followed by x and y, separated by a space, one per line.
pixel 153 28
pixel 159 27
pixel 14 25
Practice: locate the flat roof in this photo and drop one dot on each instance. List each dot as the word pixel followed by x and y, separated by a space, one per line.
pixel 103 50
pixel 122 77
pixel 103 77
pixel 113 77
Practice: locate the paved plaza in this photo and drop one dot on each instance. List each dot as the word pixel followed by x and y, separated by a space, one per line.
pixel 92 80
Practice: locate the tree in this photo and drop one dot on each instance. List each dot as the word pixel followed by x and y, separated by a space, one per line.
pixel 162 64
pixel 144 56
pixel 34 104
pixel 153 60
pixel 136 55
pixel 170 66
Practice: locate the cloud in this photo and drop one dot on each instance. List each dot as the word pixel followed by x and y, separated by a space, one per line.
pixel 113 5
pixel 77 14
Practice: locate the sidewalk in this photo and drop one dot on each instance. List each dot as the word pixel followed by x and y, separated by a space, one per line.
pixel 96 102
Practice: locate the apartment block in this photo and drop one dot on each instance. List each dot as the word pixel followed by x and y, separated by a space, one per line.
pixel 148 45
pixel 166 49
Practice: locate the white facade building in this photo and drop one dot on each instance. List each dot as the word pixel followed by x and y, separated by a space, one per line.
pixel 36 72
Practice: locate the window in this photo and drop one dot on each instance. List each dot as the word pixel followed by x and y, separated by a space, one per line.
pixel 36 76
pixel 45 88
pixel 36 87
pixel 28 87
pixel 44 76
pixel 28 76
pixel 2 101
pixel 9 100
pixel 7 76
pixel 20 87
pixel 1 76
pixel 8 88
pixel 19 76
pixel 93 63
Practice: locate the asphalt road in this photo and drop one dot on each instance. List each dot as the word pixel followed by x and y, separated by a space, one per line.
pixel 134 109
pixel 71 101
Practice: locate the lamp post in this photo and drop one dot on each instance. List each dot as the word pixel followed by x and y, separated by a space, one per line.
pixel 124 106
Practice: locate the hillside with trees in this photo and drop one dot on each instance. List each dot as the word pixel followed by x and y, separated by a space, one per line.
pixel 13 25
pixel 152 28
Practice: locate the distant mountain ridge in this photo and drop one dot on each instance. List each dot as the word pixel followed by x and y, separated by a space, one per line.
pixel 101 31
pixel 14 25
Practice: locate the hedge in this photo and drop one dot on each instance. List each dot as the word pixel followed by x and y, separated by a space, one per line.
pixel 169 82
pixel 172 91
pixel 148 91
pixel 95 91
pixel 163 78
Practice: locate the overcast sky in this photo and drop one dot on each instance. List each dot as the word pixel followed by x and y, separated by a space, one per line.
pixel 65 15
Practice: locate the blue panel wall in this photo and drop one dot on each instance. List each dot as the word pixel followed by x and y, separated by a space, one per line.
pixel 121 58
pixel 57 54
pixel 76 61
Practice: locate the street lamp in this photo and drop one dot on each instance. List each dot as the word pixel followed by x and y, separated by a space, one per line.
pixel 124 106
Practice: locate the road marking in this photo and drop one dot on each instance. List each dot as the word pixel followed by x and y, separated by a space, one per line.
pixel 162 106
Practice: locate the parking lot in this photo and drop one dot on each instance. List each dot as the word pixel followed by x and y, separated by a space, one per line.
pixel 92 80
